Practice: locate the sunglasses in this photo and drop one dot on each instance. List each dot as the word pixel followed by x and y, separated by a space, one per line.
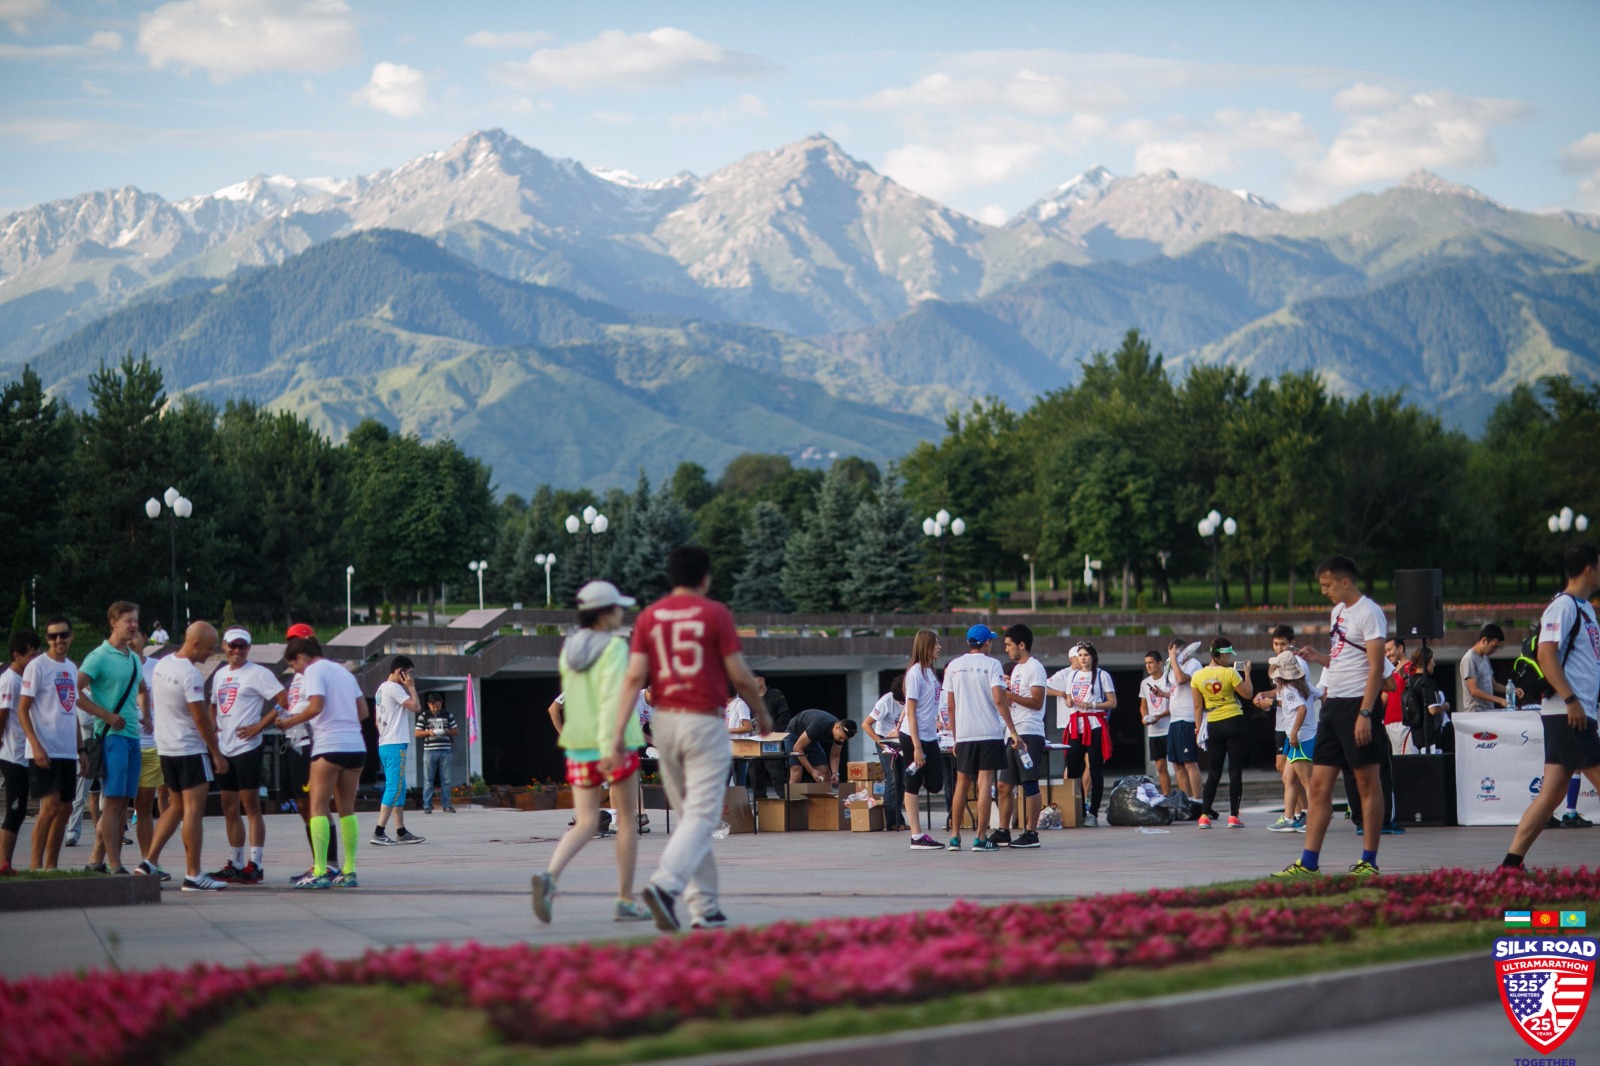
pixel 239 646
pixel 59 635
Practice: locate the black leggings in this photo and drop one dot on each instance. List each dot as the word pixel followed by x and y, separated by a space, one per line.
pixel 1225 740
pixel 16 778
pixel 1077 751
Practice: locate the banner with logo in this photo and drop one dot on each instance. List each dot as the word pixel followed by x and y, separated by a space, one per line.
pixel 1500 768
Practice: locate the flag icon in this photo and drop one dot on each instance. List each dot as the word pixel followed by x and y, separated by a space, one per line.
pixel 1574 919
pixel 1519 919
pixel 1546 919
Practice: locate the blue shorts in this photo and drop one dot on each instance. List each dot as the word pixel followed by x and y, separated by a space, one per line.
pixel 1181 745
pixel 122 766
pixel 1302 753
pixel 393 758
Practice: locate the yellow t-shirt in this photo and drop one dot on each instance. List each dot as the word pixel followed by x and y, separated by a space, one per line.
pixel 1215 685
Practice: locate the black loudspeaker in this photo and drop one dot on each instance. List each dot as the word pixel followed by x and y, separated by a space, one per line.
pixel 1425 790
pixel 1419 604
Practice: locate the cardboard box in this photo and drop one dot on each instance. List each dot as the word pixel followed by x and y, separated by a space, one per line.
pixel 769 744
pixel 782 815
pixel 811 788
pixel 866 819
pixel 825 814
pixel 736 810
pixel 1071 804
pixel 865 771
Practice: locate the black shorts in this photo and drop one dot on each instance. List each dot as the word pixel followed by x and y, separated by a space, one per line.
pixel 243 773
pixel 1158 748
pixel 183 772
pixel 1568 748
pixel 296 771
pixel 344 760
pixel 16 778
pixel 1015 773
pixel 61 778
pixel 94 750
pixel 975 756
pixel 930 777
pixel 1279 739
pixel 1336 736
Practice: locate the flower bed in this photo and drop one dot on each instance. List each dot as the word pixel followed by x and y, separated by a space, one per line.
pixel 568 993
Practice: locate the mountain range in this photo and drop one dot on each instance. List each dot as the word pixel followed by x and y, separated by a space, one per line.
pixel 801 265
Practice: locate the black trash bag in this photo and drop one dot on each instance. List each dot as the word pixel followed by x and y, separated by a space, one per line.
pixel 1183 808
pixel 1137 801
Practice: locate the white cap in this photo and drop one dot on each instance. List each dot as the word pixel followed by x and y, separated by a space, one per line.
pixel 236 633
pixel 602 594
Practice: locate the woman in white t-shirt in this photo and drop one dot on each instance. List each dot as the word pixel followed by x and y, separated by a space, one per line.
pixel 1294 698
pixel 1085 699
pixel 921 762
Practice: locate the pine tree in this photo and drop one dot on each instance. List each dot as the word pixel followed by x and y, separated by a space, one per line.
pixel 815 568
pixel 653 530
pixel 759 586
pixel 883 553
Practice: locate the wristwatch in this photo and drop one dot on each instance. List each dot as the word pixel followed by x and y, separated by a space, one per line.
pixel 1363 712
pixel 1570 698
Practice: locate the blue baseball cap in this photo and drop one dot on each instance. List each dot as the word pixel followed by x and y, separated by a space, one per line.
pixel 979 634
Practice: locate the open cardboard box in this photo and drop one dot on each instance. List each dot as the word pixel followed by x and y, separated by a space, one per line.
pixel 757 745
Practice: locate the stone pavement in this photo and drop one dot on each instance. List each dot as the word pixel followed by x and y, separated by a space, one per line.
pixel 469 881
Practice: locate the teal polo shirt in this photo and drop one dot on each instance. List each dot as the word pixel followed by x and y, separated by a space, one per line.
pixel 108 671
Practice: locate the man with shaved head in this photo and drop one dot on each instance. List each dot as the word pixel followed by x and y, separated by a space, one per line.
pixel 186 738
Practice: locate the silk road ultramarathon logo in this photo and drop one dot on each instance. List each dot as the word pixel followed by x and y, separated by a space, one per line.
pixel 1544 983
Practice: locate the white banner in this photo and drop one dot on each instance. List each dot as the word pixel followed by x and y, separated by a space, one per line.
pixel 1500 768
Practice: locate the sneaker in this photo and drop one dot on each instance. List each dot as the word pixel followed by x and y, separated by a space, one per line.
pixel 627 910
pixel 150 869
pixel 1574 820
pixel 252 874
pixel 311 880
pixel 344 880
pixel 1392 830
pixel 715 920
pixel 381 839
pixel 96 868
pixel 228 874
pixel 1000 838
pixel 427 810
pixel 954 845
pixel 1297 869
pixel 203 883
pixel 1364 869
pixel 406 836
pixel 1553 823
pixel 544 893
pixel 1091 819
pixel 1027 839
pixel 9 871
pixel 125 840
pixel 449 810
pixel 121 871
pixel 301 876
pixel 1235 822
pixel 1300 822
pixel 663 907
pixel 984 845
pixel 70 842
pixel 1203 822
pixel 925 843
pixel 1282 825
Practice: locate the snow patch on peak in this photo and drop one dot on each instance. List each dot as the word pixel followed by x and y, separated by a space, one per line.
pixel 1092 181
pixel 1255 199
pixel 1429 182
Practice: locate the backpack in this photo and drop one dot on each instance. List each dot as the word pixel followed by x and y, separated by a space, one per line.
pixel 1526 673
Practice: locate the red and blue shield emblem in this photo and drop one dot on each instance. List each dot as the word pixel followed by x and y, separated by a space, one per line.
pixel 1544 986
pixel 226 694
pixel 66 692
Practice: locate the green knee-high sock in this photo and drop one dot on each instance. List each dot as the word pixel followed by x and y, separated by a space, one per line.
pixel 320 831
pixel 350 829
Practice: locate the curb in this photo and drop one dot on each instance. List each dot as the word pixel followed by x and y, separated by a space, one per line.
pixel 76 892
pixel 1147 1029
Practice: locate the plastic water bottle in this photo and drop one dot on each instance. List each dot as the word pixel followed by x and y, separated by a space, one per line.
pixel 721 831
pixel 1025 758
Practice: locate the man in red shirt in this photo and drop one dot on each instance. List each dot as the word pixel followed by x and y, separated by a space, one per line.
pixel 1394 649
pixel 686 651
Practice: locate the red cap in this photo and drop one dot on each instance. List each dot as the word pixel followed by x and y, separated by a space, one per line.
pixel 300 629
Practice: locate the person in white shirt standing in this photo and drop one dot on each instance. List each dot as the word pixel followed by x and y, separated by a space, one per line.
pixel 980 715
pixel 921 761
pixel 186 738
pixel 397 705
pixel 1183 745
pixel 1154 701
pixel 881 724
pixel 1346 733
pixel 13 744
pixel 54 748
pixel 248 698
pixel 1025 762
pixel 1569 656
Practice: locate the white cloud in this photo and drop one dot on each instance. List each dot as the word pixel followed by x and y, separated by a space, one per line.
pixel 614 118
pixel 18 13
pixel 1215 149
pixel 97 44
pixel 1025 92
pixel 747 105
pixel 993 214
pixel 513 40
pixel 91 88
pixel 615 60
pixel 229 38
pixel 940 172
pixel 395 89
pixel 1583 157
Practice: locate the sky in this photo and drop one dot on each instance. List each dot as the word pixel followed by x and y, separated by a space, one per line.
pixel 984 107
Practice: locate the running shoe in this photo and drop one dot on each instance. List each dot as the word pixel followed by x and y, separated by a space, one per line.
pixel 627 910
pixel 9 871
pixel 382 839
pixel 1553 823
pixel 1390 829
pixel 925 843
pixel 1203 822
pixel 252 874
pixel 70 842
pixel 1300 822
pixel 1091 819
pixel 1364 869
pixel 229 873
pixel 203 883
pixel 663 907
pixel 311 880
pixel 954 845
pixel 1027 839
pixel 1297 869
pixel 1235 822
pixel 296 877
pixel 715 920
pixel 1574 820
pixel 406 836
pixel 449 810
pixel 344 880
pixel 1000 838
pixel 1282 825
pixel 121 871
pixel 544 893
pixel 96 868
pixel 150 869
pixel 984 845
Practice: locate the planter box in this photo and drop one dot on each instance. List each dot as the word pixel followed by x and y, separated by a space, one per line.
pixel 523 801
pixel 74 892
pixel 542 801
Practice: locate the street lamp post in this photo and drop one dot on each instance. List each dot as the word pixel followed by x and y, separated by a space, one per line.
pixel 1564 522
pixel 546 560
pixel 349 576
pixel 178 506
pixel 936 527
pixel 1213 527
pixel 596 523
pixel 1033 595
pixel 478 566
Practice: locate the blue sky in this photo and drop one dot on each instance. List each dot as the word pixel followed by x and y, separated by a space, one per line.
pixel 982 106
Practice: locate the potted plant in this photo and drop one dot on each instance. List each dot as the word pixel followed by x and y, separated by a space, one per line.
pixel 543 796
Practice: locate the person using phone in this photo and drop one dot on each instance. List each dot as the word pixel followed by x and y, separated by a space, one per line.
pixel 397 702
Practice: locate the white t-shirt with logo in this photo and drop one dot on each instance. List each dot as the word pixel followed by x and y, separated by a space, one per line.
pixel 1583 661
pixel 14 742
pixel 174 684
pixel 885 716
pixel 54 688
pixel 299 735
pixel 970 680
pixel 736 713
pixel 1350 628
pixel 1181 701
pixel 1084 686
pixel 239 696
pixel 923 687
pixel 1024 678
pixel 338 727
pixel 395 723
pixel 1156 698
